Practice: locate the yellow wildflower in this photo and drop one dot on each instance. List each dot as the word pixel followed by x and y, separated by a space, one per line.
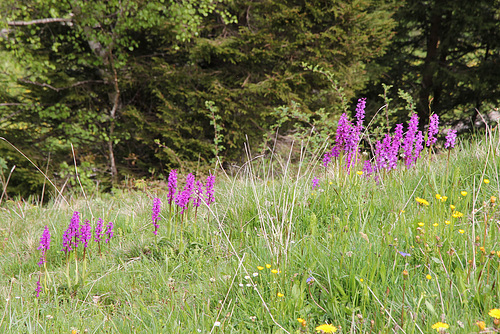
pixel 447 222
pixel 260 267
pixel 421 201
pixel 486 181
pixel 457 214
pixel 429 277
pixel 359 173
pixel 439 326
pixel 461 231
pixel 274 271
pixel 268 266
pixel 452 207
pixel 494 313
pixel 421 224
pixel 300 320
pixel 463 193
pixel 481 325
pixel 279 294
pixel 493 199
pixel 435 224
pixel 326 328
pixel 438 196
pixel 444 198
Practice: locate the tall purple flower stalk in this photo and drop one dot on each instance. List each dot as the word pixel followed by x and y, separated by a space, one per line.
pixel 419 146
pixel 367 168
pixel 198 194
pixel 383 152
pixel 98 230
pixel 409 140
pixel 38 288
pixel 155 215
pixel 360 113
pixel 394 148
pixel 71 235
pixel 98 233
pixel 109 231
pixel 172 185
pixel 44 245
pixel 433 130
pixel 343 132
pixel 451 136
pixel 184 196
pixel 315 182
pixel 85 235
pixel 347 137
pixel 209 189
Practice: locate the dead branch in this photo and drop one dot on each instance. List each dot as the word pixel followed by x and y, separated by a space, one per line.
pixel 76 84
pixel 39 21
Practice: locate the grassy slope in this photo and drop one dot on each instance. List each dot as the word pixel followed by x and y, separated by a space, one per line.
pixel 345 235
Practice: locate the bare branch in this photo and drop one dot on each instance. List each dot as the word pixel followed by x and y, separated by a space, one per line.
pixel 76 84
pixel 39 21
pixel 3 119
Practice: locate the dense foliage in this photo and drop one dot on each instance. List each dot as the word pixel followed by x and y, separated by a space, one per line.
pixel 126 84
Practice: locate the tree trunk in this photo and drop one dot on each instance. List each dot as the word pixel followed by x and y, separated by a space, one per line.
pixel 430 63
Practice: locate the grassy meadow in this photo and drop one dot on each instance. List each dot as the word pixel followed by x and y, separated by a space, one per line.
pixel 412 251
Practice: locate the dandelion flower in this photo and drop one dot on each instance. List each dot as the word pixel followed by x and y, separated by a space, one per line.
pixel 439 326
pixel 429 277
pixel 463 193
pixel 421 201
pixel 461 231
pixel 481 325
pixel 260 267
pixel 486 181
pixel 494 313
pixel 326 328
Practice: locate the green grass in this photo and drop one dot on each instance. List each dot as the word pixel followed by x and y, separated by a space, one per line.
pixel 346 236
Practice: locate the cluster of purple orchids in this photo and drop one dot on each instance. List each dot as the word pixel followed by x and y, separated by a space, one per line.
pixel 44 247
pixel 407 145
pixel 76 234
pixel 193 192
pixel 80 234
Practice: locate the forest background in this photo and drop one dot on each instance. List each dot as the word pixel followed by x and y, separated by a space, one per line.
pixel 133 88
